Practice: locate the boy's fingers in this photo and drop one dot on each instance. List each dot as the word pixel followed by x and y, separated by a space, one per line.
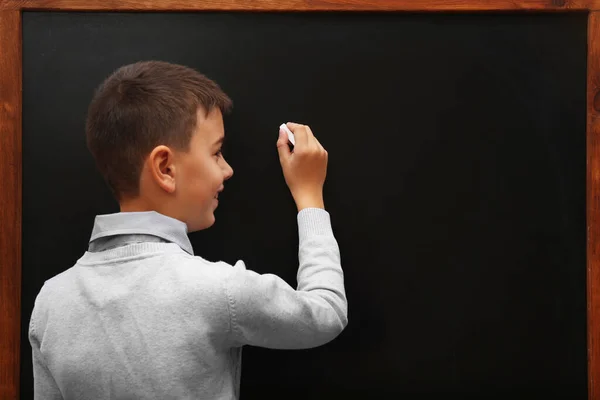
pixel 312 140
pixel 293 125
pixel 300 135
pixel 282 146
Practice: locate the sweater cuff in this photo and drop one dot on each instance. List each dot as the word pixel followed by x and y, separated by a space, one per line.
pixel 314 222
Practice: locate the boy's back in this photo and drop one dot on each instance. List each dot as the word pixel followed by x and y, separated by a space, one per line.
pixel 140 321
pixel 140 317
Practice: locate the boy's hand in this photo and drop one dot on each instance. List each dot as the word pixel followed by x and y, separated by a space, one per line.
pixel 305 168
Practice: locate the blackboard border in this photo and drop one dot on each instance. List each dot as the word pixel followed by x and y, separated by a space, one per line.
pixel 301 5
pixel 11 80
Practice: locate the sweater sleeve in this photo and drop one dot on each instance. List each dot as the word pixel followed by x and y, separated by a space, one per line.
pixel 265 311
pixel 44 385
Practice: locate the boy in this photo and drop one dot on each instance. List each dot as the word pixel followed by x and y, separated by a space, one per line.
pixel 139 316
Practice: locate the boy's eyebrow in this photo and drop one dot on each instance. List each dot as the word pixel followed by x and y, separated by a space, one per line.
pixel 220 141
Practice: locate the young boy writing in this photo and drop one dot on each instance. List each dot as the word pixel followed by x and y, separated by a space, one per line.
pixel 139 315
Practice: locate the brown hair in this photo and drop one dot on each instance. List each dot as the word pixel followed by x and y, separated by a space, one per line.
pixel 141 106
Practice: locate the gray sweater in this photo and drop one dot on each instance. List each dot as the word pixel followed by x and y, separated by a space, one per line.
pixel 140 317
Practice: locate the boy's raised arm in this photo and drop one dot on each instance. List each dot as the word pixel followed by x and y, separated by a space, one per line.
pixel 267 312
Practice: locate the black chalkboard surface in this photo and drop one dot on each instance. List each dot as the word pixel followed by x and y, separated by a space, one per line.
pixel 456 184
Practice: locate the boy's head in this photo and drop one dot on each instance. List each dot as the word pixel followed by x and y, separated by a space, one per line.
pixel 155 130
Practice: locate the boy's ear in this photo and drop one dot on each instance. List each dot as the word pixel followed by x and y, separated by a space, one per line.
pixel 162 168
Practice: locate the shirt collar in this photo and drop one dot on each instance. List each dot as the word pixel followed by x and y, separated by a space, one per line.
pixel 142 222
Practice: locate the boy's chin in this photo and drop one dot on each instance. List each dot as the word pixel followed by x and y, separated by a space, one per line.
pixel 204 224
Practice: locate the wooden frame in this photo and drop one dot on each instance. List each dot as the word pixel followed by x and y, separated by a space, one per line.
pixel 11 150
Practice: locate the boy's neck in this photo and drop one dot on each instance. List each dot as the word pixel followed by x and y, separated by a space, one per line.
pixel 142 204
pixel 136 205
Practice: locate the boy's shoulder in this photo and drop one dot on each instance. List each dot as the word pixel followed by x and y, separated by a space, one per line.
pixel 58 281
pixel 188 270
pixel 196 266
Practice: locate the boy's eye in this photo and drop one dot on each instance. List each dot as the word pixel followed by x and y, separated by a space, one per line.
pixel 219 153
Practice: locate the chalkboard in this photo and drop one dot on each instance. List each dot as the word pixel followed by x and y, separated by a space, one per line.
pixel 456 184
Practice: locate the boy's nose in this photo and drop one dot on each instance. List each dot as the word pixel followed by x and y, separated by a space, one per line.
pixel 228 171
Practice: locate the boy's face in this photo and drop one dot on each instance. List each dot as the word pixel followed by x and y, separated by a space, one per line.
pixel 202 172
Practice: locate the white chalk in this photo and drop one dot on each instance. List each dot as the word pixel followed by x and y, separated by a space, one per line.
pixel 291 137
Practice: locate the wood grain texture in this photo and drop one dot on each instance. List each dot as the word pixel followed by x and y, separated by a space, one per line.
pixel 302 5
pixel 593 206
pixel 10 202
pixel 10 137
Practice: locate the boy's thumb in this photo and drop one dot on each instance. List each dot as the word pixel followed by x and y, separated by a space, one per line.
pixel 282 145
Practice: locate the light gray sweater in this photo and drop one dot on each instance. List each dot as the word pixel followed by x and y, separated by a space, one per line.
pixel 140 317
